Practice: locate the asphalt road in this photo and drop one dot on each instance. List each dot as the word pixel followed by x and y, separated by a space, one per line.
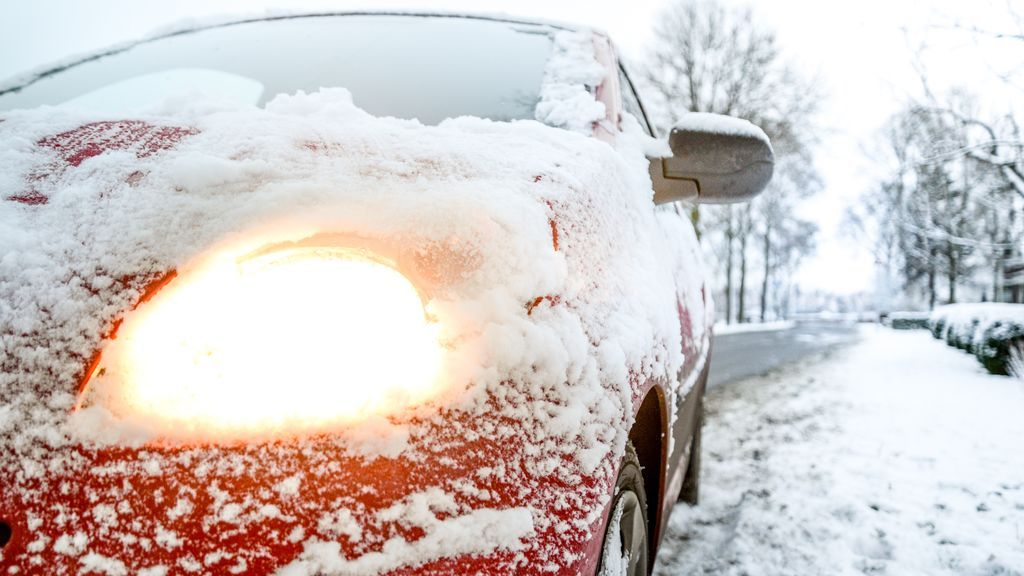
pixel 743 354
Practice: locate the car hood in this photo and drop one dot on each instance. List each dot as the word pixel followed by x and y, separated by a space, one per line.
pixel 547 268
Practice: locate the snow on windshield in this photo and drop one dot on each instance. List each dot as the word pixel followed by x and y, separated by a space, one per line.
pixel 552 334
pixel 408 66
pixel 570 80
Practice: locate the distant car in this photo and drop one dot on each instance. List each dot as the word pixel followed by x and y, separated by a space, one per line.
pixel 250 333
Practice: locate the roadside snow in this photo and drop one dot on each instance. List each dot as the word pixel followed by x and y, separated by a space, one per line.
pixel 723 328
pixel 897 456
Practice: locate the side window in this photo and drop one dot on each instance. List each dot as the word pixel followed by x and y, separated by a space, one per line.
pixel 631 102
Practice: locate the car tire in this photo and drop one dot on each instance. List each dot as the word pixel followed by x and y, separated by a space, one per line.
pixel 626 547
pixel 690 492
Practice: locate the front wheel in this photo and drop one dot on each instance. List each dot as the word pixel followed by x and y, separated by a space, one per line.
pixel 626 541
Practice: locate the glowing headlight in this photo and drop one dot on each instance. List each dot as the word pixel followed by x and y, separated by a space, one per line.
pixel 290 340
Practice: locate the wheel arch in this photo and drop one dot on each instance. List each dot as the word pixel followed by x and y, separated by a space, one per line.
pixel 648 435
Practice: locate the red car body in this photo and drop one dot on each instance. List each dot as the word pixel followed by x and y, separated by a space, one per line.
pixel 114 510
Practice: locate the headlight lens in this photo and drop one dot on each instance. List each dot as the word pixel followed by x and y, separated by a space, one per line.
pixel 290 340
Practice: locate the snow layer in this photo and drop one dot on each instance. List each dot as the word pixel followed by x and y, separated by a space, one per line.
pixel 969 321
pixel 723 328
pixel 478 532
pixel 615 560
pixel 719 124
pixel 909 315
pixel 553 277
pixel 897 456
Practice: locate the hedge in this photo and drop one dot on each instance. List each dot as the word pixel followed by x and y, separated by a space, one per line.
pixel 908 320
pixel 994 345
pixel 989 331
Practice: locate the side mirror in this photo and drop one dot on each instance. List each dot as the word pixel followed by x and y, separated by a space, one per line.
pixel 715 160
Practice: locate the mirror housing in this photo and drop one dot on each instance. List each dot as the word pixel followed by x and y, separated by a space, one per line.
pixel 715 160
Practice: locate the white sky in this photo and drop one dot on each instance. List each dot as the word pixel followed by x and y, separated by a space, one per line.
pixel 860 51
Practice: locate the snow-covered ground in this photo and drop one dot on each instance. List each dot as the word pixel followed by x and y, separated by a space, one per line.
pixel 896 456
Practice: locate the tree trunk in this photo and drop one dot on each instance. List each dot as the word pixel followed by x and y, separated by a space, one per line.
pixel 931 279
pixel 741 297
pixel 951 274
pixel 767 271
pixel 996 296
pixel 730 233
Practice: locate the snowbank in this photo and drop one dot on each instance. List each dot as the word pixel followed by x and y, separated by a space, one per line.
pixel 548 270
pixel 906 315
pixel 722 328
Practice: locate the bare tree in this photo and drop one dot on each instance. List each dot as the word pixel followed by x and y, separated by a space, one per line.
pixel 784 239
pixel 944 213
pixel 1007 36
pixel 707 56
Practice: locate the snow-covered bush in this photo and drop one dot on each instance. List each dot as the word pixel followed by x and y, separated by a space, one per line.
pixel 963 335
pixel 990 331
pixel 1017 361
pixel 996 343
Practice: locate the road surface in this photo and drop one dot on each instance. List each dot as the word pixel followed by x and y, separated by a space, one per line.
pixel 744 354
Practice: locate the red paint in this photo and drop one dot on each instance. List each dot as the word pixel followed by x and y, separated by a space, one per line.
pixel 551 300
pixel 89 140
pixel 31 198
pixel 366 485
pixel 553 223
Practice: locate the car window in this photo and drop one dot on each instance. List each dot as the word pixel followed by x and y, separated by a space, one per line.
pixel 631 102
pixel 428 68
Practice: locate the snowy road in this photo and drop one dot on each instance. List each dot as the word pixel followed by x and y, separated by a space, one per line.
pixel 745 354
pixel 897 455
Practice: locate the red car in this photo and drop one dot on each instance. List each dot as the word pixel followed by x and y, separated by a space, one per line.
pixel 450 319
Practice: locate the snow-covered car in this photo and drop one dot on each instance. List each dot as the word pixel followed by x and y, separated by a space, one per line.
pixel 351 294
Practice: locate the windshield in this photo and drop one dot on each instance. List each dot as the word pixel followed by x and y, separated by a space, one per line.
pixel 428 68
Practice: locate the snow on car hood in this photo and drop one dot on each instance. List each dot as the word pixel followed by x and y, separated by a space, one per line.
pixel 554 300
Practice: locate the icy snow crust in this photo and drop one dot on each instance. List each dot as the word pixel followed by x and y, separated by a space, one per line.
pixel 552 274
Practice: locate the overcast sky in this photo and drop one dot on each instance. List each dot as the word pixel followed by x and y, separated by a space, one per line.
pixel 861 52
